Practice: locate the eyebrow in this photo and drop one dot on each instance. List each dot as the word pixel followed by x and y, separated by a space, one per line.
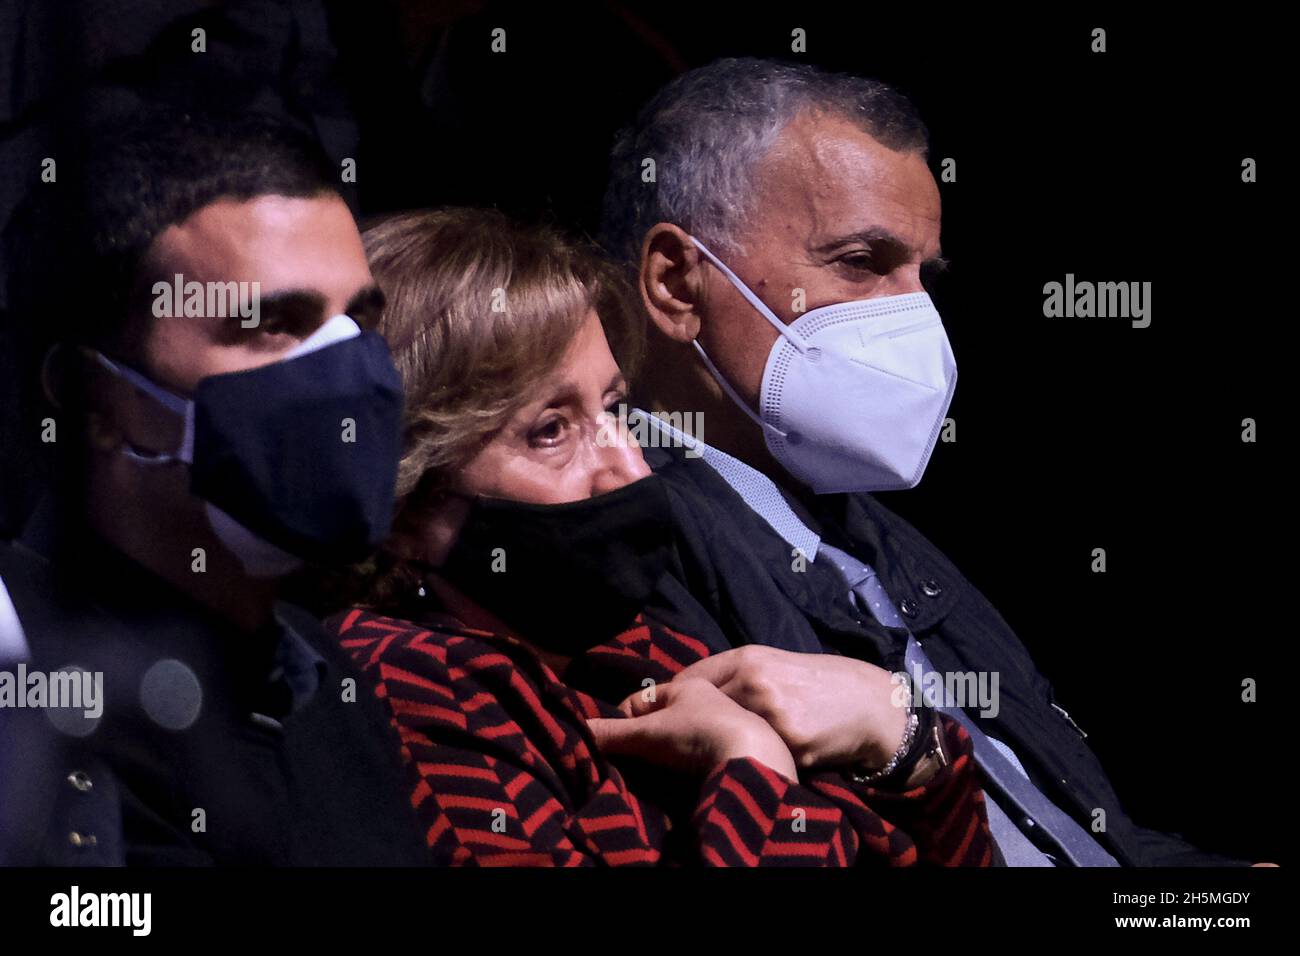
pixel 293 309
pixel 566 393
pixel 367 306
pixel 297 305
pixel 286 310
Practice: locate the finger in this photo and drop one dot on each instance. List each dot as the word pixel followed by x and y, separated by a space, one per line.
pixel 739 685
pixel 605 730
pixel 645 701
pixel 717 669
pixel 620 735
pixel 652 738
pixel 733 687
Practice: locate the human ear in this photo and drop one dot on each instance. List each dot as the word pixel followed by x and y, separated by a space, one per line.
pixel 428 533
pixel 671 282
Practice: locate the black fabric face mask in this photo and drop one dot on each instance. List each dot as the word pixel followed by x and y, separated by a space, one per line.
pixel 566 577
pixel 266 447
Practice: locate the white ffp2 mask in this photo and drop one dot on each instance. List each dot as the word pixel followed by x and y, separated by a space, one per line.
pixel 854 394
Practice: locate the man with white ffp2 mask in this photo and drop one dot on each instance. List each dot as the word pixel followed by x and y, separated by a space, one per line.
pixel 885 364
pixel 781 254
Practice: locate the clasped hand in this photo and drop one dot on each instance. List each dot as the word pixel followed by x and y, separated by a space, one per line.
pixel 790 711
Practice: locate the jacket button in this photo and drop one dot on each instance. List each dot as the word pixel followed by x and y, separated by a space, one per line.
pixel 931 588
pixel 908 607
pixel 1028 823
pixel 80 781
pixel 82 840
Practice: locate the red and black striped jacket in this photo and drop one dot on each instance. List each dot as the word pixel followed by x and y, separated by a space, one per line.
pixel 505 772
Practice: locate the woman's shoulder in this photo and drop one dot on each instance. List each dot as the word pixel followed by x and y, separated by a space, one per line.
pixel 371 636
pixel 363 619
pixel 436 648
pixel 458 676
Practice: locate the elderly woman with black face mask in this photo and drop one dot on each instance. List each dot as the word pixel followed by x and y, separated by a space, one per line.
pixel 546 719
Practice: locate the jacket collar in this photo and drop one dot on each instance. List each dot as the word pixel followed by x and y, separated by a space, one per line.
pixel 919 580
pixel 757 490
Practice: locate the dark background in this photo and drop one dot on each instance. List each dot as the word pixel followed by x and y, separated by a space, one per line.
pixel 1073 434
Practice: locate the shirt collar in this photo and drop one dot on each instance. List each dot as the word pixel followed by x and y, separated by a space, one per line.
pixel 755 488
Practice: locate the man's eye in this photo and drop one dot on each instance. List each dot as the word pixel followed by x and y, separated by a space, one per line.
pixel 858 261
pixel 618 406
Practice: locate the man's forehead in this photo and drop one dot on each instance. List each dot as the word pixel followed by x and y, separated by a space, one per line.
pixel 828 178
pixel 267 239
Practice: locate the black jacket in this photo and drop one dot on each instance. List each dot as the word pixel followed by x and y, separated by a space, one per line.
pixel 737 584
pixel 251 779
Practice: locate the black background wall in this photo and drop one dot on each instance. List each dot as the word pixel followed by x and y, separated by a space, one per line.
pixel 1071 434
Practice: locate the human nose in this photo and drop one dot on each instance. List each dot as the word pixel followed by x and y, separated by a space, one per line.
pixel 619 461
pixel 904 281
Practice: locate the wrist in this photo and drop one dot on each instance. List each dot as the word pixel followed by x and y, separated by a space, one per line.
pixel 882 774
pixel 901 767
pixel 883 743
pixel 934 759
pixel 764 745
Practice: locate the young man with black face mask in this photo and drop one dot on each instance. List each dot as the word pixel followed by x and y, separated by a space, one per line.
pixel 219 411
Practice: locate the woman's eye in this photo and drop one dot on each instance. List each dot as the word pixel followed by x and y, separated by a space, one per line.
pixel 548 433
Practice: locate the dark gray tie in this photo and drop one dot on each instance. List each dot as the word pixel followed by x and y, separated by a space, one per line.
pixel 1006 785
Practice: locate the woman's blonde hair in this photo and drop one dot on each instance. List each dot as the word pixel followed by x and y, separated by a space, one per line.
pixel 479 308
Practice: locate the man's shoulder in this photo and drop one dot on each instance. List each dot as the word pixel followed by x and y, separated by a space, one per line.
pixel 53 617
pixel 13 639
pixel 25 576
pixel 54 785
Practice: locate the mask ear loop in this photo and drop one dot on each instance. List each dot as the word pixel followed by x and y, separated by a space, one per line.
pixel 337 328
pixel 753 299
pixel 767 313
pixel 168 400
pixel 731 392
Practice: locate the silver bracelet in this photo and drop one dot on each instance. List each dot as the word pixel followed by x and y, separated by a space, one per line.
pixel 909 735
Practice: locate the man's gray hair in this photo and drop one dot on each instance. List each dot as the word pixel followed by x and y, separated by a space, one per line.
pixel 706 132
